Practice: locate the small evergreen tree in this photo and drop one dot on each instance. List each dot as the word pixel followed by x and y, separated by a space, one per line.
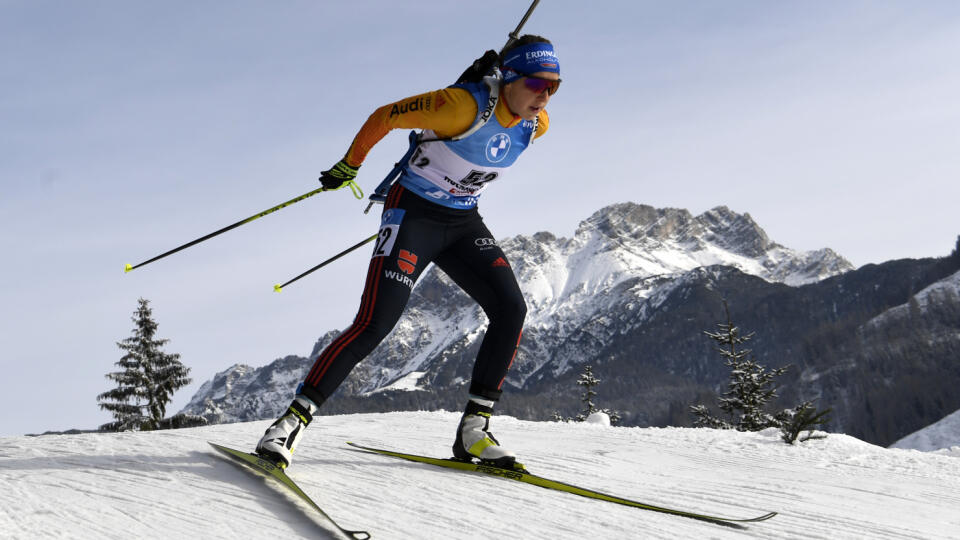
pixel 146 382
pixel 751 387
pixel 588 381
pixel 803 417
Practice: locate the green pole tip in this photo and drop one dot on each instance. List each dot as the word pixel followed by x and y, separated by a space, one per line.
pixel 277 288
pixel 127 268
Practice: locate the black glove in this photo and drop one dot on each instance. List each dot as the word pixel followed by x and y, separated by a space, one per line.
pixel 480 68
pixel 338 175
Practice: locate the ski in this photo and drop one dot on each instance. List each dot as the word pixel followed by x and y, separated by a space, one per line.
pixel 529 478
pixel 266 468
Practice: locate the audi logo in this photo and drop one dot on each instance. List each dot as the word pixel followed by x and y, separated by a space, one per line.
pixel 482 242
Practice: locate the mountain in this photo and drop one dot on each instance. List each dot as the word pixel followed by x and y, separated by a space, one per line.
pixel 941 435
pixel 630 294
pixel 624 254
pixel 171 484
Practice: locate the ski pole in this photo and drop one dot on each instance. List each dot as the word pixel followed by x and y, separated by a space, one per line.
pixel 279 287
pixel 130 267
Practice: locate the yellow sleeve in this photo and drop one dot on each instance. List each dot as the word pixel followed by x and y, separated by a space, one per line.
pixel 447 112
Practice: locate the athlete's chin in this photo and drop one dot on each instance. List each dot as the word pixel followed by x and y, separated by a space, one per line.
pixel 532 113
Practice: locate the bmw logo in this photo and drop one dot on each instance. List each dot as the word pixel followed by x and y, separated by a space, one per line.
pixel 497 147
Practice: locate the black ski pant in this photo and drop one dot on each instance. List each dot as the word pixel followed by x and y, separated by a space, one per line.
pixel 413 233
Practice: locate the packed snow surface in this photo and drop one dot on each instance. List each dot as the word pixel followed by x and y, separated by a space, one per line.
pixel 172 484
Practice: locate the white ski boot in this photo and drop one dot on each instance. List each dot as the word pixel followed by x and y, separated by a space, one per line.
pixel 475 441
pixel 280 439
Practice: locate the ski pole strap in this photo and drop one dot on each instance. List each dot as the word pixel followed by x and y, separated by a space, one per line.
pixel 357 192
pixel 355 188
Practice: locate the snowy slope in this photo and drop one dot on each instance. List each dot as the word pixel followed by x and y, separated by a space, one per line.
pixel 942 435
pixel 171 484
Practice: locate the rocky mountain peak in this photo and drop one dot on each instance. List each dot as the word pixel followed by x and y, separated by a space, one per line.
pixel 720 226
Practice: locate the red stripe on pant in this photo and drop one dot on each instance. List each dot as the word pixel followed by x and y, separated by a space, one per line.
pixel 512 358
pixel 364 315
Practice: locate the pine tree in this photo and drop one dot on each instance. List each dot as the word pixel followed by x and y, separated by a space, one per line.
pixel 750 388
pixel 588 382
pixel 803 417
pixel 147 380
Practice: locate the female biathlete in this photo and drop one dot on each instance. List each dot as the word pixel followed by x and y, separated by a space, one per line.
pixel 430 215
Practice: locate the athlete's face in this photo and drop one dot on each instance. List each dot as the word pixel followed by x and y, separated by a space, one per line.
pixel 525 102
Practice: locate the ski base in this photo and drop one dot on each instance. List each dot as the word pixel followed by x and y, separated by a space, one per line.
pixel 269 469
pixel 528 478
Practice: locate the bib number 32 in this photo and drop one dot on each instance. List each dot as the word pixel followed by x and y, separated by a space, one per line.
pixel 389 227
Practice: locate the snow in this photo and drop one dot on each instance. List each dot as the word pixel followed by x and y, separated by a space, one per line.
pixel 407 383
pixel 171 484
pixel 943 435
pixel 599 418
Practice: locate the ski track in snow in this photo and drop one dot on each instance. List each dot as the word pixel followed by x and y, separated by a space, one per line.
pixel 173 485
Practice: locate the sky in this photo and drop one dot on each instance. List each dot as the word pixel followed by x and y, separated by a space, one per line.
pixel 129 128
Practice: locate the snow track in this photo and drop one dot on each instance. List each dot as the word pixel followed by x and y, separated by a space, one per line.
pixel 172 485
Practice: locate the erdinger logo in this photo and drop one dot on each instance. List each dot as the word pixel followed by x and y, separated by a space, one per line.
pixel 497 147
pixel 539 55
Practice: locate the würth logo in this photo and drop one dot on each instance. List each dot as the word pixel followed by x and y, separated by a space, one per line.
pixel 407 262
pixel 500 262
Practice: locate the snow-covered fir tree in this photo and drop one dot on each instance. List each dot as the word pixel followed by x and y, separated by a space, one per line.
pixel 803 417
pixel 588 381
pixel 750 388
pixel 146 381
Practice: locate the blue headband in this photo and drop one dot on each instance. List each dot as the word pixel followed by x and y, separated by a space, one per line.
pixel 529 59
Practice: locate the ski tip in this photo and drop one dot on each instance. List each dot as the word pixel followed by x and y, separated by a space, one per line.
pixel 127 268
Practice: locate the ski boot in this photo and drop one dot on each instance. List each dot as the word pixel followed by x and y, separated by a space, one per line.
pixel 280 439
pixel 474 441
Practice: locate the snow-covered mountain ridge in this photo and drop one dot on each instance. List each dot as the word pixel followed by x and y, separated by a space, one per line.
pixel 943 435
pixel 619 266
pixel 171 484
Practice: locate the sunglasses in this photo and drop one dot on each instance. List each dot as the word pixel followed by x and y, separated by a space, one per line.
pixel 537 85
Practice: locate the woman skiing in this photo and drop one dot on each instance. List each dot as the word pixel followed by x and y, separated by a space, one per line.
pixel 471 134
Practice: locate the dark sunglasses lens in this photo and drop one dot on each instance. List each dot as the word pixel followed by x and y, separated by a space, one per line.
pixel 539 85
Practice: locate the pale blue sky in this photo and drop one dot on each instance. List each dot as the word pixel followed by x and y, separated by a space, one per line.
pixel 128 128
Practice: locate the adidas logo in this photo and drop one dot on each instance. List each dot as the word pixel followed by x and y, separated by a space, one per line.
pixel 500 262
